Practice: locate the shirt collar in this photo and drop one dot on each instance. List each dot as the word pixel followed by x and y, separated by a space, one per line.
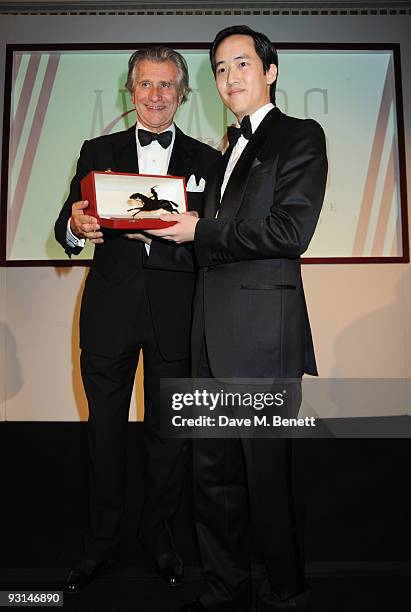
pixel 171 128
pixel 259 115
pixel 142 151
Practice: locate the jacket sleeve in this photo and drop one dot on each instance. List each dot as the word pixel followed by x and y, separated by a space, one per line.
pixel 169 256
pixel 296 203
pixel 84 166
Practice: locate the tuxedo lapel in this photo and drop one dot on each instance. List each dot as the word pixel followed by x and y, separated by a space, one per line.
pixel 213 190
pixel 234 191
pixel 125 153
pixel 180 156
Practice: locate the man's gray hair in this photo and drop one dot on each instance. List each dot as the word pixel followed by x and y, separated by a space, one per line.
pixel 160 54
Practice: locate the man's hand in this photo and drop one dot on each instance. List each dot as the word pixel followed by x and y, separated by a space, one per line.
pixel 139 236
pixel 84 226
pixel 182 231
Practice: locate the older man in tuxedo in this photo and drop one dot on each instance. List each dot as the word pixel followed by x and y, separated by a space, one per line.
pixel 128 302
pixel 250 321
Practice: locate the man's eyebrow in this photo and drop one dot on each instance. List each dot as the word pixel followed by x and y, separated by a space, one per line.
pixel 162 81
pixel 244 56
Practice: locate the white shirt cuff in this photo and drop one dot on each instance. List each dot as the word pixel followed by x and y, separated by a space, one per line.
pixel 72 240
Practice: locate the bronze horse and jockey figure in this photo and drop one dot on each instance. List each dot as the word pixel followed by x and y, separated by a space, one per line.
pixel 152 202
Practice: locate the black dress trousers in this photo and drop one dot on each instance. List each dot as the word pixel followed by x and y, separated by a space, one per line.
pixel 108 383
pixel 248 492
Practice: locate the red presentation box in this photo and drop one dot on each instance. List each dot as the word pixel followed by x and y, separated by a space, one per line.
pixel 125 201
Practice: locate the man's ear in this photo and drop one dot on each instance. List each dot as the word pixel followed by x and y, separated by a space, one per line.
pixel 271 74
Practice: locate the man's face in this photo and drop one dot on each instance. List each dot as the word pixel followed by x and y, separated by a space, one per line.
pixel 240 78
pixel 155 94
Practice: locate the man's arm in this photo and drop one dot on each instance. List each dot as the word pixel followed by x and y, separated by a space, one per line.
pixel 297 201
pixel 72 218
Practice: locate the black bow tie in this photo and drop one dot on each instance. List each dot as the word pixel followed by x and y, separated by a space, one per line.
pixel 164 138
pixel 245 129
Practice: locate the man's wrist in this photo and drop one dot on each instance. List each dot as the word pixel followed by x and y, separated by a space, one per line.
pixel 71 238
pixel 73 229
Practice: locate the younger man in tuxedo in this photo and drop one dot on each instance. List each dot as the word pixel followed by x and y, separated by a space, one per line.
pixel 250 321
pixel 123 310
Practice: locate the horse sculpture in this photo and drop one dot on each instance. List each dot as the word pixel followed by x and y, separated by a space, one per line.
pixel 152 203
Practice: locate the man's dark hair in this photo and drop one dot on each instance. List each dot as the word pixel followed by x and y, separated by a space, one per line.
pixel 263 47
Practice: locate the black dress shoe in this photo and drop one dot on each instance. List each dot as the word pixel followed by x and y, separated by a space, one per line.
pixel 170 568
pixel 83 573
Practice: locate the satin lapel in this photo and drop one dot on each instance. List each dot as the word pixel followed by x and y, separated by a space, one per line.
pixel 125 153
pixel 234 191
pixel 180 156
pixel 213 189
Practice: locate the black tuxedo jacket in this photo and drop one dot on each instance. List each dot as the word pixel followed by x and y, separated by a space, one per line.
pixel 113 291
pixel 250 300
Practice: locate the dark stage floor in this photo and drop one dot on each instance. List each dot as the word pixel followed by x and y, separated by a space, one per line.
pixel 358 536
pixel 122 589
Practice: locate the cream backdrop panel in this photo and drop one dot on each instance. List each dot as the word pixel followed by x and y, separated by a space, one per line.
pixel 42 346
pixel 361 329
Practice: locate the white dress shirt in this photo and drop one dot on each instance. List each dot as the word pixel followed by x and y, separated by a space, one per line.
pixel 255 120
pixel 152 159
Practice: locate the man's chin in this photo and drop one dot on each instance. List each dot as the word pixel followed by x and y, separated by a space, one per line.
pixel 236 107
pixel 156 124
pixel 238 112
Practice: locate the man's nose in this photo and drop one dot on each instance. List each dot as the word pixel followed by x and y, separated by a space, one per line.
pixel 155 93
pixel 232 76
